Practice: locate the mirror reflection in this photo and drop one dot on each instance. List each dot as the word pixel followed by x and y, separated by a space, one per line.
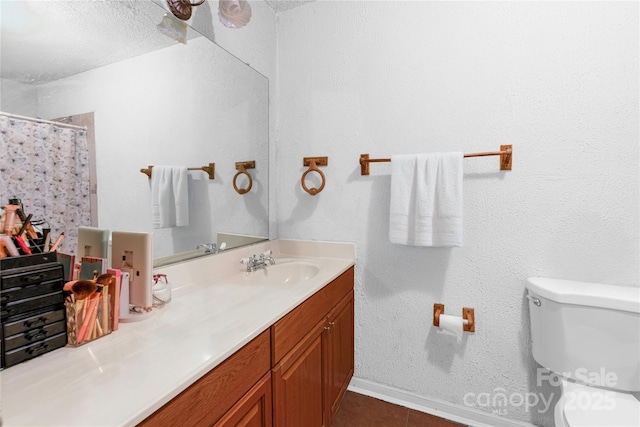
pixel 146 99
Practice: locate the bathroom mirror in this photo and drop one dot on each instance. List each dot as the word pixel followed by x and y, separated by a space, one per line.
pixel 155 101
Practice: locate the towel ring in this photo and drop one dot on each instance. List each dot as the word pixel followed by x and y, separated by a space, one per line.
pixel 313 163
pixel 242 167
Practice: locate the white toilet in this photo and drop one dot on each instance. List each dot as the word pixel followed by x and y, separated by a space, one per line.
pixel 589 334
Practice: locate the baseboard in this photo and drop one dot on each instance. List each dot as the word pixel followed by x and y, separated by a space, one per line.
pixel 439 408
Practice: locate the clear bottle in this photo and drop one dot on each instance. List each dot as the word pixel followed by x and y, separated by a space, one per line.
pixel 161 290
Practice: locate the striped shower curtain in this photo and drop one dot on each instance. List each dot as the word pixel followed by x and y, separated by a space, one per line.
pixel 47 167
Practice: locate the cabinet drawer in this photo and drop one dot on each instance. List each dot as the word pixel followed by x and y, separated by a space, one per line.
pixel 209 398
pixel 36 349
pixel 33 335
pixel 289 330
pixel 16 294
pixel 33 320
pixel 27 261
pixel 31 277
pixel 30 304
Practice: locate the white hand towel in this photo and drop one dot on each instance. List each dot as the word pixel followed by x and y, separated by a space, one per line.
pixel 426 199
pixel 169 196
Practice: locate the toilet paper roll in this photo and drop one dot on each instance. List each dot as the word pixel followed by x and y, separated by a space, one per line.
pixel 452 324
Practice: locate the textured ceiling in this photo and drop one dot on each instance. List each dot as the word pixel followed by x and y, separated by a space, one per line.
pixel 47 40
pixel 282 5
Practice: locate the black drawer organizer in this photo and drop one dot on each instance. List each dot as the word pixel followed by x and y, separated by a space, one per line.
pixel 31 307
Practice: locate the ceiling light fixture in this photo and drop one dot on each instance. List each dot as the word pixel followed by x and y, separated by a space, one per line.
pixel 182 8
pixel 234 13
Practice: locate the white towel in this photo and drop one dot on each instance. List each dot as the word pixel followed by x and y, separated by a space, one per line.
pixel 426 199
pixel 169 196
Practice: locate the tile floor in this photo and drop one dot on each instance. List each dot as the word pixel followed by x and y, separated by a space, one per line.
pixel 357 410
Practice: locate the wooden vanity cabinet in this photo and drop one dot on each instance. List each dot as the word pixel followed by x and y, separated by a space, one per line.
pixel 310 374
pixel 292 375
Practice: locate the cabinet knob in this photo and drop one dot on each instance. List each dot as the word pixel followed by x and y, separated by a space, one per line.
pixel 37 349
pixel 30 323
pixel 36 278
pixel 328 328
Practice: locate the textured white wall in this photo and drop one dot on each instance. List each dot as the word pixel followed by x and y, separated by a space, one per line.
pixel 559 81
pixel 18 98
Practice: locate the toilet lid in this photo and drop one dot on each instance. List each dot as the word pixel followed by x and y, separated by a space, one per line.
pixel 590 406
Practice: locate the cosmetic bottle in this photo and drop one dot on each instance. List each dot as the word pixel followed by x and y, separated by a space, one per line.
pixel 9 219
pixel 9 246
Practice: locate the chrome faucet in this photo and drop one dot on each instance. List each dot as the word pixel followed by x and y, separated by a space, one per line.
pixel 254 263
pixel 209 248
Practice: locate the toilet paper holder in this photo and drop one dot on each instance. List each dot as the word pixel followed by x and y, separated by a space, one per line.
pixel 469 324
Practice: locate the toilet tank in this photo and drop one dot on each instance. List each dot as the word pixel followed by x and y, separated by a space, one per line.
pixel 586 331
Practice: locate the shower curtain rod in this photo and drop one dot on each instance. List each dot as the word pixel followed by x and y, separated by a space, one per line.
pixel 35 119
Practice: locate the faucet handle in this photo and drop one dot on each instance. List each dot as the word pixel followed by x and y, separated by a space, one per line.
pixel 248 260
pixel 266 256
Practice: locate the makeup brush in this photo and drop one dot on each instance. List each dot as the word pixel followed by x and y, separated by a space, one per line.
pixel 69 285
pixel 83 288
pixel 104 279
pixel 89 318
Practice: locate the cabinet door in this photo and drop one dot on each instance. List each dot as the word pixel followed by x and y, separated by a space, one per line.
pixel 298 385
pixel 338 355
pixel 253 410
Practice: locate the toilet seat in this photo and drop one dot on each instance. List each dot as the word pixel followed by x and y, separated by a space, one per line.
pixel 595 407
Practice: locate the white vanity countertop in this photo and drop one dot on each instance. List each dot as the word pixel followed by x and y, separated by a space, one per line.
pixel 122 378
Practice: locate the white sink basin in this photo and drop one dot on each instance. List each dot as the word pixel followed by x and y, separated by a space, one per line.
pixel 288 272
